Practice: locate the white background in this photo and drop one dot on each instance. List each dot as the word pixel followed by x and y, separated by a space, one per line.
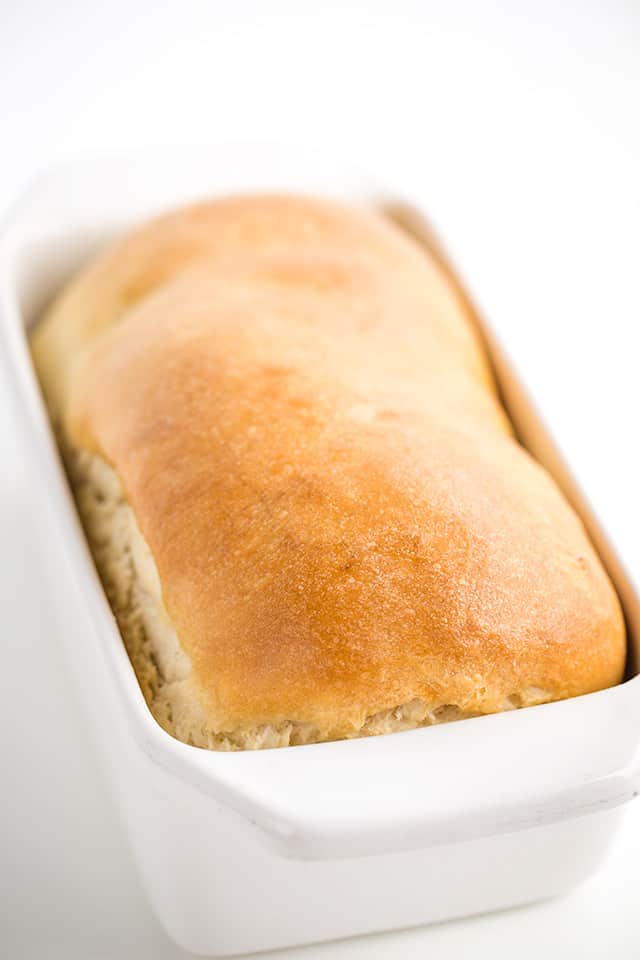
pixel 528 115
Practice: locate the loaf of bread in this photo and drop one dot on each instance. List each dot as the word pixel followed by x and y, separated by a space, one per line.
pixel 306 503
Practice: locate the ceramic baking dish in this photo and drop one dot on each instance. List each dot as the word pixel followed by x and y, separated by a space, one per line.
pixel 249 851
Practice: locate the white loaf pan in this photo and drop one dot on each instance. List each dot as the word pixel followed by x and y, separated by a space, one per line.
pixel 248 851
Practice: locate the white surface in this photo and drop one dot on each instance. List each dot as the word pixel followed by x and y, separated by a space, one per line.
pixel 544 98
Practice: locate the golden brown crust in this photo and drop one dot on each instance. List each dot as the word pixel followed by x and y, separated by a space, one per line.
pixel 306 428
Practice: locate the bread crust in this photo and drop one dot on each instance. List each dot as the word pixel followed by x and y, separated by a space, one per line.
pixel 305 427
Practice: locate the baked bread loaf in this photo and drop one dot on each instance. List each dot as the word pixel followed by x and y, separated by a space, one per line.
pixel 304 498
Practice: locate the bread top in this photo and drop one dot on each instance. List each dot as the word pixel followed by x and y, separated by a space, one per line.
pixel 305 424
